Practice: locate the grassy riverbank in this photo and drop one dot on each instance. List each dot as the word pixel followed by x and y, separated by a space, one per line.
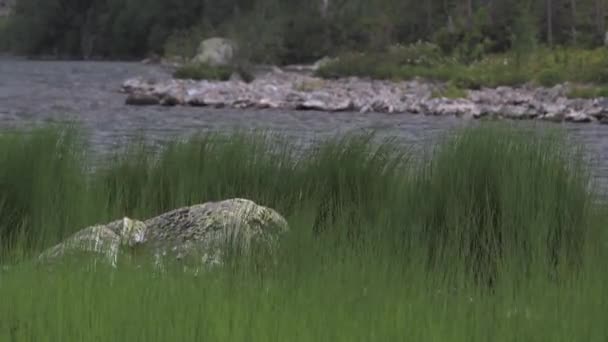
pixel 495 236
pixel 543 67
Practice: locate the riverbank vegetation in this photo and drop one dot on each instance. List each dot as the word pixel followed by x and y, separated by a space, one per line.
pixel 541 67
pixel 588 92
pixel 203 72
pixel 496 232
pixel 200 71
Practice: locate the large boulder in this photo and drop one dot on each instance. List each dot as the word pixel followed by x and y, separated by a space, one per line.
pixel 216 52
pixel 201 235
pixel 98 242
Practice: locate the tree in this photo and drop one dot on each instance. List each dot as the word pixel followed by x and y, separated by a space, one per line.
pixel 600 17
pixel 573 28
pixel 549 22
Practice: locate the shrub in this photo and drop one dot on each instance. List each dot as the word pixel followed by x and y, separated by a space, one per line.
pixel 419 54
pixel 183 43
pixel 545 67
pixel 451 91
pixel 353 64
pixel 550 77
pixel 447 41
pixel 204 72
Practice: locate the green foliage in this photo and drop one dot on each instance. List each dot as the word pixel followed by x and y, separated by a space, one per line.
pixel 302 300
pixel 259 33
pixel 451 91
pixel 183 43
pixel 475 41
pixel 486 203
pixel 511 198
pixel 199 71
pixel 99 27
pixel 4 34
pixel 543 66
pixel 398 62
pixel 395 240
pixel 273 31
pixel 357 64
pixel 589 92
pixel 447 40
pixel 418 54
pixel 524 37
pixel 549 77
pixel 42 176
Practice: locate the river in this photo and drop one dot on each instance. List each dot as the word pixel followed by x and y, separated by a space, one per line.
pixel 35 92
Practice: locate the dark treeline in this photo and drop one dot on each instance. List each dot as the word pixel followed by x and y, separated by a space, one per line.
pixel 287 31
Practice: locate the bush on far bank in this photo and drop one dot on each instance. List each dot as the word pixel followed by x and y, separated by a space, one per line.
pixel 543 66
pixel 199 71
pixel 4 37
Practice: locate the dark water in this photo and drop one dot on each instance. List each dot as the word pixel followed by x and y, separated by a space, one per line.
pixel 34 92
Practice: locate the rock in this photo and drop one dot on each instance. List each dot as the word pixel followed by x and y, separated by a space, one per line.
pixel 295 90
pixel 215 52
pixel 579 117
pixel 99 242
pixel 136 84
pixel 142 99
pixel 153 59
pixel 602 102
pixel 209 232
pixel 554 109
pixel 199 236
pixel 457 107
pixel 319 105
pixel 321 63
pixel 553 117
pixel 209 98
pixel 171 100
pixel 518 112
pixel 266 103
pixel 312 105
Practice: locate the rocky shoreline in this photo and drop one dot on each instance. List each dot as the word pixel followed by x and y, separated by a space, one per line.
pixel 290 90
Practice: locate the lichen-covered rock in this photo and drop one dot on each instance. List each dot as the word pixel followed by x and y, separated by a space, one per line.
pixel 201 235
pixel 209 233
pixel 98 242
pixel 215 52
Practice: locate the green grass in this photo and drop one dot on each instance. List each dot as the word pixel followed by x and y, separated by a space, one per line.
pixel 546 67
pixel 495 235
pixel 588 92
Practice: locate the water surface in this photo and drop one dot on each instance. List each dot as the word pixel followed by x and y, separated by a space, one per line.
pixel 35 92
